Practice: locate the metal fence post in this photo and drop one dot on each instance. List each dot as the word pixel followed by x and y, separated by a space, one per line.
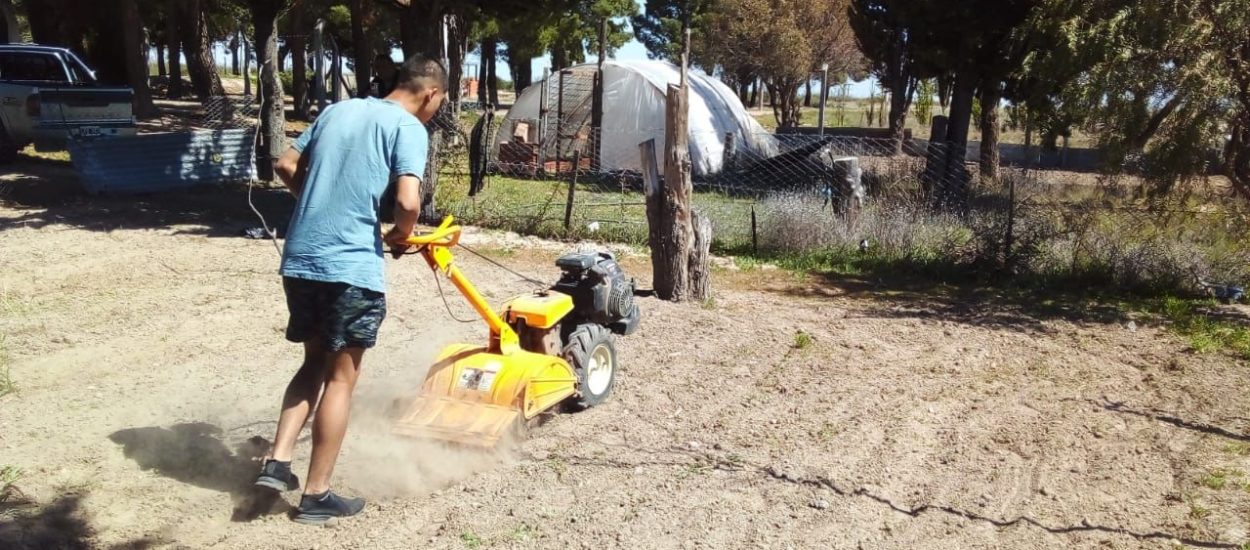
pixel 824 95
pixel 543 110
pixel 319 66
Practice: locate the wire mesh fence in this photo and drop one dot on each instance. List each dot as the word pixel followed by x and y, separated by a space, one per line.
pixel 773 194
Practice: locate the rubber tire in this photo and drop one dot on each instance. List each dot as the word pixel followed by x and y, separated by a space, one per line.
pixel 582 342
pixel 8 149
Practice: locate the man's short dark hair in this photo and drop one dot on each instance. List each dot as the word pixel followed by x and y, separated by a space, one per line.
pixel 419 73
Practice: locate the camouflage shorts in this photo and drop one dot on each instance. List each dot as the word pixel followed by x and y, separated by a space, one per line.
pixel 339 314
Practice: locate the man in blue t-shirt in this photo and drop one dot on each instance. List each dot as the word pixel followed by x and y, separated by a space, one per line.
pixel 332 268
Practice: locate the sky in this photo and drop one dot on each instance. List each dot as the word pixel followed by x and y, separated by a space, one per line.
pixel 632 51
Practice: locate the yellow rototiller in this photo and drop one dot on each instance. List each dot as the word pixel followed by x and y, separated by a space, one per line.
pixel 546 348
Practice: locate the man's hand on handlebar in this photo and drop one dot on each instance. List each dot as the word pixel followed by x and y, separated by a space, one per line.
pixel 395 239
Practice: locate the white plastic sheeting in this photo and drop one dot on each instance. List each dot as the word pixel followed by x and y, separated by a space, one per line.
pixel 634 98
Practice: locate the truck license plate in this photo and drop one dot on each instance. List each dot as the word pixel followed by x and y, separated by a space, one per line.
pixel 87 131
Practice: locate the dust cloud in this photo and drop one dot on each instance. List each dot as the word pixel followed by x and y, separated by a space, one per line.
pixel 378 463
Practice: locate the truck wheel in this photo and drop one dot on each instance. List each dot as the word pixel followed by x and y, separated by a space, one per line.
pixel 8 148
pixel 592 353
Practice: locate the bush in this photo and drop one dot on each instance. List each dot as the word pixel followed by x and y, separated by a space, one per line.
pixel 1083 243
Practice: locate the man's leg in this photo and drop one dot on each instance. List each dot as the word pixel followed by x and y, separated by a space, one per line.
pixel 330 425
pixel 297 402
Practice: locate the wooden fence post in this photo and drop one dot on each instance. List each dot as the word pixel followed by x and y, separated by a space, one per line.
pixel 755 240
pixel 672 236
pixel 700 255
pixel 568 207
pixel 668 211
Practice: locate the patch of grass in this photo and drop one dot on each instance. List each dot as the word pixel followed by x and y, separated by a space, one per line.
pixel 708 303
pixel 1197 510
pixel 695 469
pixel 603 209
pixel 1215 479
pixel 14 305
pixel 7 385
pixel 803 340
pixel 1239 449
pixel 9 476
pixel 471 539
pixel 827 432
pixel 558 466
pixel 523 533
pixel 746 263
pixel 1204 332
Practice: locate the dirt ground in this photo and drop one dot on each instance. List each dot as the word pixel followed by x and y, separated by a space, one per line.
pixel 145 337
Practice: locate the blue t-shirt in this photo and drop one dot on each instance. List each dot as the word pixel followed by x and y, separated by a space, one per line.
pixel 354 149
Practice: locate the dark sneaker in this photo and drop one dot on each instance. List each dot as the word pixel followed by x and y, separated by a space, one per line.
pixel 327 506
pixel 277 476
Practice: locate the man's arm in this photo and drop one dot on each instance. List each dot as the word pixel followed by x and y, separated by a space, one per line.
pixel 407 207
pixel 291 168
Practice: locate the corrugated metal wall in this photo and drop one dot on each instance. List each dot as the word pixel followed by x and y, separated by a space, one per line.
pixel 164 162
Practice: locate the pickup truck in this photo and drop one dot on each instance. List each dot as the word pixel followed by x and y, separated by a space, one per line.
pixel 48 95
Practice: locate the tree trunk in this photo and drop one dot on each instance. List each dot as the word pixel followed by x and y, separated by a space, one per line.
pixel 668 207
pixel 1237 158
pixel 944 90
pixel 481 74
pixel 429 183
pixel 107 50
pixel 363 62
pixel 521 67
pixel 45 24
pixel 807 93
pixel 271 140
pixel 755 94
pixel 457 43
pixel 419 26
pixel 559 57
pixel 700 256
pixel 935 158
pixel 234 52
pixel 160 61
pixel 787 100
pixel 173 36
pixel 9 32
pixel 299 62
pixel 953 189
pixel 196 44
pixel 871 109
pixel 1139 141
pixel 488 84
pixel 136 59
pixel 902 88
pixel 990 96
pixel 492 78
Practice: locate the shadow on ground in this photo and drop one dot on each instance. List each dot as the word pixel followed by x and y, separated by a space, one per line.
pixel 59 524
pixel 1168 417
pixel 195 454
pixel 902 295
pixel 47 192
